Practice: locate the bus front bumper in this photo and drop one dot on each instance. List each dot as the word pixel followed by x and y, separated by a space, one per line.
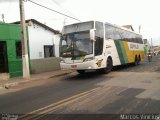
pixel 89 65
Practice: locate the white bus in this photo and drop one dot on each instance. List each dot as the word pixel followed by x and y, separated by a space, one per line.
pixel 95 45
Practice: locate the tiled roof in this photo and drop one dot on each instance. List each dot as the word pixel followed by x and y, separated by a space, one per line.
pixel 41 24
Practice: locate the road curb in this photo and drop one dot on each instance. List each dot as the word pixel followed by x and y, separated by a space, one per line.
pixel 54 76
pixel 8 85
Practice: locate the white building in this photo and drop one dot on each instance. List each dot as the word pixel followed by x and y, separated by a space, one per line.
pixel 43 46
pixel 43 40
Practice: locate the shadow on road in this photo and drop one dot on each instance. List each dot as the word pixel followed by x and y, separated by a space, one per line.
pixel 123 67
pixel 87 76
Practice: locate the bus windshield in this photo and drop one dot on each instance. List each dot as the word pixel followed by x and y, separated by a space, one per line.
pixel 76 44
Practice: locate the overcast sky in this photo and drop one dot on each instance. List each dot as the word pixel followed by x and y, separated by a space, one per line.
pixel 120 12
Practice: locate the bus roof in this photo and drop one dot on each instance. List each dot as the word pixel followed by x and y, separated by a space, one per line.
pixel 113 25
pixel 123 28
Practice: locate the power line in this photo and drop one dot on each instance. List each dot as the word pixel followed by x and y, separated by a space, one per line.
pixel 58 4
pixel 53 10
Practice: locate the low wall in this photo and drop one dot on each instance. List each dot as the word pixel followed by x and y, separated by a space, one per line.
pixel 45 65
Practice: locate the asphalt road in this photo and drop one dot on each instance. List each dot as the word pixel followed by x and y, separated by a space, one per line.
pixel 127 89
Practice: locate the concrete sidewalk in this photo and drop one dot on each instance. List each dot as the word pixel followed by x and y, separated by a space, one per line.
pixel 42 76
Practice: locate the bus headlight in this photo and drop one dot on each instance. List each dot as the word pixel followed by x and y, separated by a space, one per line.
pixel 88 59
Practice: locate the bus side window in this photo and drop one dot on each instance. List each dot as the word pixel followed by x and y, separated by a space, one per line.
pixel 98 46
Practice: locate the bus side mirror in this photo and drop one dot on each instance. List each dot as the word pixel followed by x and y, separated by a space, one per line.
pixel 92 34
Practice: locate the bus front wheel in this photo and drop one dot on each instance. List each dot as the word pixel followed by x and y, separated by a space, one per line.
pixel 109 66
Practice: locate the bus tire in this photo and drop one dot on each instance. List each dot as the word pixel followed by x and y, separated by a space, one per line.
pixel 136 61
pixel 109 66
pixel 81 71
pixel 139 59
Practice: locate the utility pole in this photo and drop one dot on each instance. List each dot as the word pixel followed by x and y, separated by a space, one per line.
pixel 26 72
pixel 64 22
pixel 139 28
pixel 151 46
pixel 3 17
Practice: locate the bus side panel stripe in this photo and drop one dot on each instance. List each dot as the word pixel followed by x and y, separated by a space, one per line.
pixel 129 53
pixel 119 50
pixel 124 51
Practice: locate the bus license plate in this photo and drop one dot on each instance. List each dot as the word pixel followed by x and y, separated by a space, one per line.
pixel 73 66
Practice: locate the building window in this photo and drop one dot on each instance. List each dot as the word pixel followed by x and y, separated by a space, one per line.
pixel 18 49
pixel 48 51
